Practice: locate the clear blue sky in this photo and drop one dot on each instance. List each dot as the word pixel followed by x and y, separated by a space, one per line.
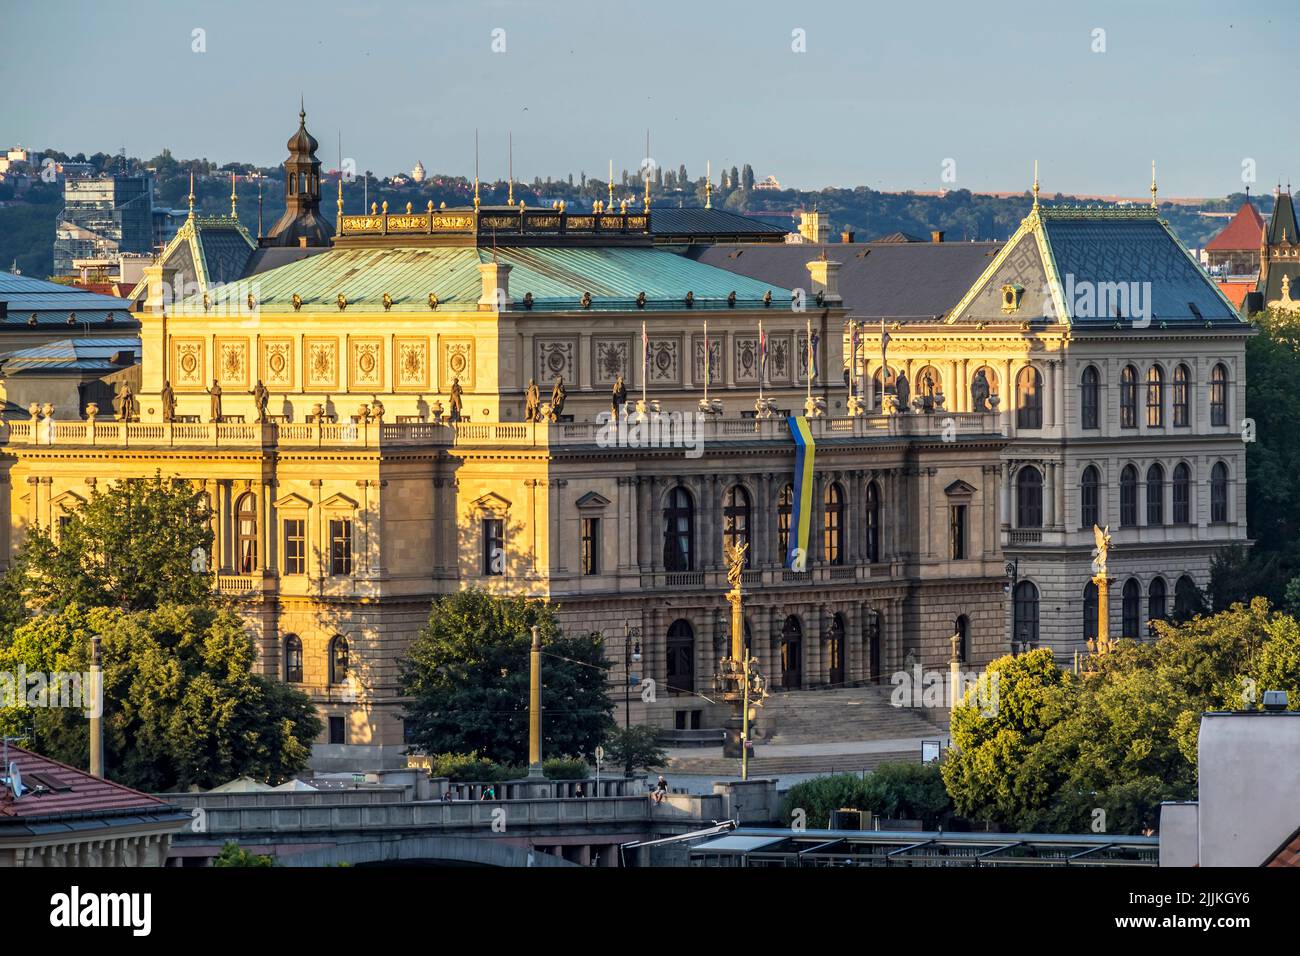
pixel 884 93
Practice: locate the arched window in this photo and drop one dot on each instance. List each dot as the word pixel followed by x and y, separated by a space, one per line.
pixel 1029 498
pixel 681 657
pixel 873 522
pixel 1029 398
pixel 1128 497
pixel 1091 605
pixel 1182 387
pixel 1156 494
pixel 1132 608
pixel 961 627
pixel 338 660
pixel 836 648
pixel 1128 397
pixel 832 523
pixel 293 659
pixel 784 509
pixel 791 654
pixel 679 531
pixel 1188 601
pixel 1155 397
pixel 1219 492
pixel 1157 601
pixel 1026 614
pixel 878 390
pixel 929 382
pixel 1089 397
pixel 1182 493
pixel 1219 395
pixel 246 533
pixel 1089 498
pixel 735 520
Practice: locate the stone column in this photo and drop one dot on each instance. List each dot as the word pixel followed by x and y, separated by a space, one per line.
pixel 1049 494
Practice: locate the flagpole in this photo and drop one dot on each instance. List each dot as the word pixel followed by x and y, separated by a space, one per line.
pixel 762 359
pixel 645 366
pixel 706 361
pixel 810 361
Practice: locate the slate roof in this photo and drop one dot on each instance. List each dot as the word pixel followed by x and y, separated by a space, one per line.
pixel 698 224
pixel 1242 232
pixel 877 279
pixel 85 355
pixel 556 276
pixel 1283 221
pixel 204 251
pixel 71 797
pixel 1131 245
pixel 52 303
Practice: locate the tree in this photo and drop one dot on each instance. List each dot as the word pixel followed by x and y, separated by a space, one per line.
pixel 634 748
pixel 182 706
pixel 747 178
pixel 896 791
pixel 232 854
pixel 134 547
pixel 467 673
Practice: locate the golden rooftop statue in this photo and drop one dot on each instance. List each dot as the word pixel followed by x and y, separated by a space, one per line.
pixel 1154 205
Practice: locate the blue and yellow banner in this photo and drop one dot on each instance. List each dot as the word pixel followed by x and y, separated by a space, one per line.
pixel 805 449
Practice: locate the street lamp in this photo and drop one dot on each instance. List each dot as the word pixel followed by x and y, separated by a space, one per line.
pixel 1013 578
pixel 631 655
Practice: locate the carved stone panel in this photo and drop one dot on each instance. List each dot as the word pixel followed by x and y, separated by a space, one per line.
pixel 716 376
pixel 555 357
pixel 232 363
pixel 366 365
pixel 321 363
pixel 458 363
pixel 276 368
pixel 610 361
pixel 189 366
pixel 746 358
pixel 665 362
pixel 411 364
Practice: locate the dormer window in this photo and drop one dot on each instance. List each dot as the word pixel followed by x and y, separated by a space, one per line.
pixel 1011 296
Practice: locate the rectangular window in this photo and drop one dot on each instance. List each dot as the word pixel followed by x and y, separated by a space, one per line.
pixel 338 731
pixel 295 546
pixel 340 546
pixel 591 546
pixel 957 531
pixel 494 546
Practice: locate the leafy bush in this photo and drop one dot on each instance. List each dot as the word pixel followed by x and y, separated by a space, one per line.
pixel 465 768
pixel 232 854
pixel 566 768
pixel 907 791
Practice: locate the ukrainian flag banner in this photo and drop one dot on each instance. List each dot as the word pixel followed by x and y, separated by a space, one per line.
pixel 805 449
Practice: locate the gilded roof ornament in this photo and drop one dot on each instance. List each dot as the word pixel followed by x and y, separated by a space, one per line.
pixel 234 212
pixel 191 194
pixel 1154 205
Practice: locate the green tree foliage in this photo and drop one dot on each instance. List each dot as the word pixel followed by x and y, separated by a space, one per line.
pixel 467 673
pixel 634 748
pixel 232 854
pixel 130 547
pixel 1122 736
pixel 182 706
pixel 896 791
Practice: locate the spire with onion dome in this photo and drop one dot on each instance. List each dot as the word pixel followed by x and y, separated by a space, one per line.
pixel 302 222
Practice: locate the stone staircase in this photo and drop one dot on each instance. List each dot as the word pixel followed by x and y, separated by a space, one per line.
pixel 774 766
pixel 842 715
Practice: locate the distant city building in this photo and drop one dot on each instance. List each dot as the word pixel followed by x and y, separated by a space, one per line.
pixel 16 156
pixel 417 172
pixel 1279 268
pixel 770 183
pixel 102 217
pixel 1235 250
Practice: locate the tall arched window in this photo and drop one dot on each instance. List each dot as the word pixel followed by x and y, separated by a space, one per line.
pixel 1156 494
pixel 1089 397
pixel 1155 397
pixel 735 520
pixel 1089 498
pixel 1157 601
pixel 1182 487
pixel 1029 498
pixel 1091 605
pixel 1219 492
pixel 1128 397
pixel 1219 395
pixel 1026 614
pixel 1128 497
pixel 681 657
pixel 873 522
pixel 246 533
pixel 293 659
pixel 1029 398
pixel 1182 388
pixel 832 524
pixel 338 660
pixel 679 531
pixel 1132 608
pixel 784 509
pixel 791 654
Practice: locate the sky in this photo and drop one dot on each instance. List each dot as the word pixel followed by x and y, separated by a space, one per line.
pixel 921 95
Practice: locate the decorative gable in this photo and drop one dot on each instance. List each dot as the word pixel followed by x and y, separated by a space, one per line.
pixel 592 500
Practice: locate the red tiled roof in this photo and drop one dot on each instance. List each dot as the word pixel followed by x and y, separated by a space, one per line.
pixel 1242 232
pixel 84 794
pixel 1288 854
pixel 1236 291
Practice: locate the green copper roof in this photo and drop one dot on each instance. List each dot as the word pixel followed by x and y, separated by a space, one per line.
pixel 557 277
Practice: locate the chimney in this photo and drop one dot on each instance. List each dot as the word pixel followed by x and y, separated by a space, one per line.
pixel 159 284
pixel 496 287
pixel 846 236
pixel 825 275
pixel 814 227
pixel 936 235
